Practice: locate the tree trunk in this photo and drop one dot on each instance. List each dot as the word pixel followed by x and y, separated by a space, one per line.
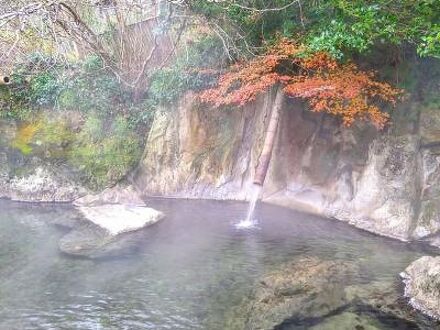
pixel 269 140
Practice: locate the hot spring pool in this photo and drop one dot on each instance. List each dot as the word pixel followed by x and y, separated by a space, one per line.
pixel 190 271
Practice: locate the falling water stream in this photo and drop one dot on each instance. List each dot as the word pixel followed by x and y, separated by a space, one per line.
pixel 250 221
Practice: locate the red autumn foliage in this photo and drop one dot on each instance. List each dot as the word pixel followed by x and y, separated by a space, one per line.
pixel 339 89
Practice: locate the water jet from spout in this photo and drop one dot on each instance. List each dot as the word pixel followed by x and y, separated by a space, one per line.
pixel 250 221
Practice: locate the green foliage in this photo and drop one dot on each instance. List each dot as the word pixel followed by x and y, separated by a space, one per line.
pixel 99 93
pixel 359 25
pixel 52 135
pixel 87 87
pixel 41 83
pixel 93 63
pixel 44 88
pixel 91 88
pixel 140 116
pixel 430 43
pixel 35 85
pixel 340 27
pixel 11 108
pixel 166 85
pixel 105 154
pixel 169 83
pixel 339 35
pixel 100 151
pixel 24 137
pixel 52 100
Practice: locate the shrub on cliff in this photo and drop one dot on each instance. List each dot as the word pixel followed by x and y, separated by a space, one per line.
pixel 104 152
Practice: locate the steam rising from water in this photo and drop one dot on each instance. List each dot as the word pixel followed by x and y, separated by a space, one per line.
pixel 250 221
pixel 188 272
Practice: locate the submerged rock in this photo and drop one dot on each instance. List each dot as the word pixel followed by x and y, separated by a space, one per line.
pixel 105 217
pixel 348 321
pixel 306 288
pixel 311 293
pixel 422 285
pixel 91 241
pixel 107 229
pixel 84 240
pixel 382 301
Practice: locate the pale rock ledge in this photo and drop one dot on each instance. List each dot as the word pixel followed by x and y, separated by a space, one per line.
pixel 118 210
pixel 117 219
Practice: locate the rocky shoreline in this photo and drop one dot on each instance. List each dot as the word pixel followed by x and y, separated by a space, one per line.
pixel 42 185
pixel 422 285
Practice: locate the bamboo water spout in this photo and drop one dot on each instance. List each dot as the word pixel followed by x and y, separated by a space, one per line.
pixel 269 140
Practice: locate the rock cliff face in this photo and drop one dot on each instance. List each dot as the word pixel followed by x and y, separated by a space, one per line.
pixel 383 182
pixel 30 178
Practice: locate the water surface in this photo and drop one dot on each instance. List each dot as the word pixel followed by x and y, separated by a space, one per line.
pixel 189 271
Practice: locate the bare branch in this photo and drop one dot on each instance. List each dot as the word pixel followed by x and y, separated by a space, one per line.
pixel 265 9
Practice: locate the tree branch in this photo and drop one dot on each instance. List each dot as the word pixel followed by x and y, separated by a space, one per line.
pixel 266 9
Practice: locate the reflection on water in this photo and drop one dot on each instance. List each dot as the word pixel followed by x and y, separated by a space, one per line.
pixel 188 272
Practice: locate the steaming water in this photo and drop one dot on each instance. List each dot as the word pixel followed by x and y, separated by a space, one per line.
pixel 190 271
pixel 250 221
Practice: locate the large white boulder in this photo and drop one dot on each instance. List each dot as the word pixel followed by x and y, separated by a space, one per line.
pixel 117 218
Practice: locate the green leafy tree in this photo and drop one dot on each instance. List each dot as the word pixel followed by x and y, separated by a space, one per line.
pixel 335 26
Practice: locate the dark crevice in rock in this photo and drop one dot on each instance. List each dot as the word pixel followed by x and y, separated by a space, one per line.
pixel 385 320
